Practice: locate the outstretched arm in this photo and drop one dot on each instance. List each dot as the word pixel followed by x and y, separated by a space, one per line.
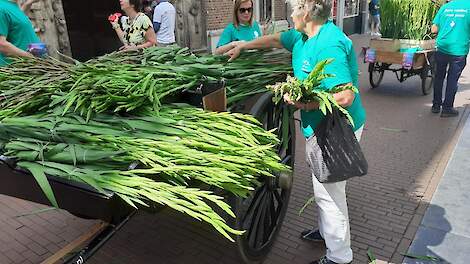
pixel 265 42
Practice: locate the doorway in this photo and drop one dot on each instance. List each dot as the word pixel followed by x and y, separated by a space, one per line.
pixel 89 31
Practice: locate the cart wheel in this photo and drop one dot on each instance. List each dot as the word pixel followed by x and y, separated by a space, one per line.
pixel 376 74
pixel 262 214
pixel 427 77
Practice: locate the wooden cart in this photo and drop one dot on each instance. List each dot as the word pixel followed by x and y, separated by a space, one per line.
pixel 260 214
pixel 387 57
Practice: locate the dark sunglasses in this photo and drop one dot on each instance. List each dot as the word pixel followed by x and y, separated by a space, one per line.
pixel 244 10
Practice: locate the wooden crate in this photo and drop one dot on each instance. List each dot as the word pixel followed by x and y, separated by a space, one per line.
pixel 412 43
pixel 393 45
pixel 383 44
pixel 419 59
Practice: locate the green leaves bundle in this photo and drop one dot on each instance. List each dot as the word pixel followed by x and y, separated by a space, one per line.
pixel 407 19
pixel 174 149
pixel 310 90
pixel 131 81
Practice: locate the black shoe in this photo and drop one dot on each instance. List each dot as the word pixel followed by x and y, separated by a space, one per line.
pixel 312 235
pixel 436 109
pixel 449 112
pixel 325 260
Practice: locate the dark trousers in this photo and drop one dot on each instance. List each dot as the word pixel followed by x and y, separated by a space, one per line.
pixel 456 64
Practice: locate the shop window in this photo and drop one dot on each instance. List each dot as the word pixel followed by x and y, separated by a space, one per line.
pixel 351 8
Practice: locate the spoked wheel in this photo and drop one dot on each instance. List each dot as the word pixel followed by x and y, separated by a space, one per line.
pixel 376 74
pixel 262 214
pixel 427 77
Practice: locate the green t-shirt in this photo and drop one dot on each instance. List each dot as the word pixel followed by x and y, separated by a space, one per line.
pixel 329 43
pixel 453 20
pixel 243 32
pixel 16 27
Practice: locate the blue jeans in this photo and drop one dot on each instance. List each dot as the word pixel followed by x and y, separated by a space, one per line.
pixel 456 65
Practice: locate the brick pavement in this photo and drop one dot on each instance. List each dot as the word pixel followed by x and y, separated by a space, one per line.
pixel 407 149
pixel 26 238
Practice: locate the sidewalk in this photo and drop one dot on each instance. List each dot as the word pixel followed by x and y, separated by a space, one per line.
pixel 407 147
pixel 444 231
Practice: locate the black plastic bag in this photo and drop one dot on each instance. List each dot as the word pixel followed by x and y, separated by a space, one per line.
pixel 336 155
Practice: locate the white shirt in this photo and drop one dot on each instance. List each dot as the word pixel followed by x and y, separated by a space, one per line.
pixel 165 14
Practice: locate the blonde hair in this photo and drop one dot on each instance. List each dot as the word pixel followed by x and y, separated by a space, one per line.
pixel 236 6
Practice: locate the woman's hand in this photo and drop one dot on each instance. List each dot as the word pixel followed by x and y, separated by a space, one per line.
pixel 128 48
pixel 114 20
pixel 303 106
pixel 233 53
pixel 345 98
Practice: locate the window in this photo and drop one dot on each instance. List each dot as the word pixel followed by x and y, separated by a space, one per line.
pixel 264 10
pixel 351 8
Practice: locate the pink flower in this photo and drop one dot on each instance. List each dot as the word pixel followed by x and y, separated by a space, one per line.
pixel 114 17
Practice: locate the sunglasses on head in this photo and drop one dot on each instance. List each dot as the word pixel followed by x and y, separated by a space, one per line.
pixel 244 10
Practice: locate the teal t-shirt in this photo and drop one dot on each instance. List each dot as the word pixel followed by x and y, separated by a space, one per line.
pixel 329 43
pixel 453 21
pixel 16 27
pixel 243 32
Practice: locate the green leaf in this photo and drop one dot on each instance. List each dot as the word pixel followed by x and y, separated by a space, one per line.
pixel 36 212
pixel 322 107
pixel 371 256
pixel 73 154
pixel 309 202
pixel 38 173
pixel 430 258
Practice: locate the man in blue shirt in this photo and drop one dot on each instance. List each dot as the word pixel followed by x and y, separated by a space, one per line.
pixel 452 25
pixel 374 12
pixel 316 38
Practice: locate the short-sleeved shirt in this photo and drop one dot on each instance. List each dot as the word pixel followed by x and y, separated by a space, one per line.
pixel 242 32
pixel 16 27
pixel 165 14
pixel 453 21
pixel 374 11
pixel 329 43
pixel 134 31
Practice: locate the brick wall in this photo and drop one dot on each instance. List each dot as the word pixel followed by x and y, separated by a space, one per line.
pixel 219 13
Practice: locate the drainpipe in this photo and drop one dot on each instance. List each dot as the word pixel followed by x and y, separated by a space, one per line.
pixel 340 13
pixel 365 17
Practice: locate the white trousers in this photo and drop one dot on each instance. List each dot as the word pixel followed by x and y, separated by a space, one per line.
pixel 333 221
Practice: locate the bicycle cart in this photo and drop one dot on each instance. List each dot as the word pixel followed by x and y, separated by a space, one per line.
pixel 403 64
pixel 261 214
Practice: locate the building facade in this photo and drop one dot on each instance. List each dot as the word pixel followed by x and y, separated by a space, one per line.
pixel 81 28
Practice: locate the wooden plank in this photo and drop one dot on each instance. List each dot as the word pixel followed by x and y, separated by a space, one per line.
pixel 76 244
pixel 389 57
pixel 413 43
pixel 419 59
pixel 216 101
pixel 394 45
pixel 384 44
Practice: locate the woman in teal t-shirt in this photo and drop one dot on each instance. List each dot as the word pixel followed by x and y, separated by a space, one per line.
pixel 243 27
pixel 16 32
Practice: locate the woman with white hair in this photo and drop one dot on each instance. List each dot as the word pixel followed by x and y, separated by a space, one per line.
pixel 316 38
